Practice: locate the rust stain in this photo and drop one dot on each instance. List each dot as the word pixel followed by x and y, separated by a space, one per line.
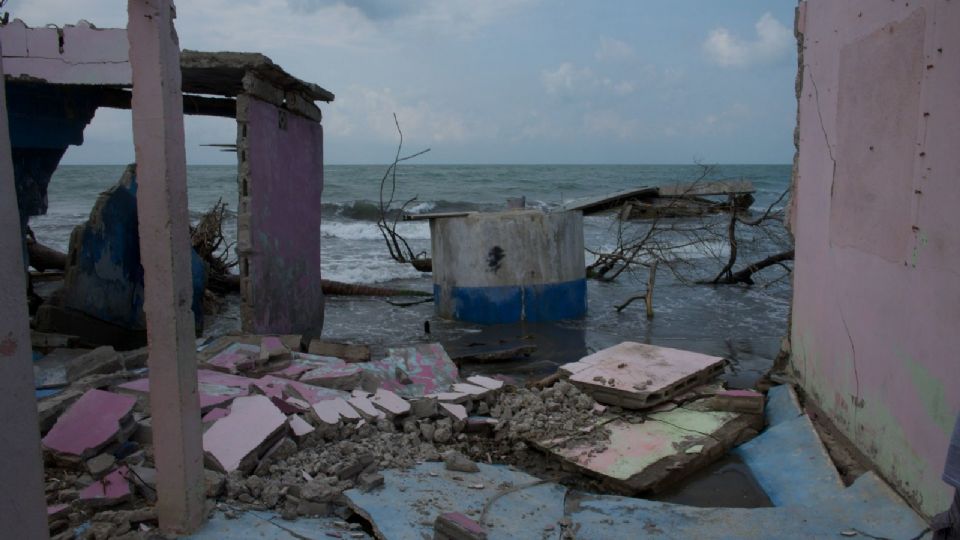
pixel 8 347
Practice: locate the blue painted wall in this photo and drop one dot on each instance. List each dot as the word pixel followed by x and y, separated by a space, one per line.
pixel 508 304
pixel 104 275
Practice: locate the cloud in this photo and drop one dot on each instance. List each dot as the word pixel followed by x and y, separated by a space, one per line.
pixel 613 49
pixel 773 42
pixel 567 79
pixel 724 122
pixel 610 122
pixel 368 112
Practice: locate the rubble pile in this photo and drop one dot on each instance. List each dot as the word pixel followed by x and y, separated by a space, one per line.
pixel 290 431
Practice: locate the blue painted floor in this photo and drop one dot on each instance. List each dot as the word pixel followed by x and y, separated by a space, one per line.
pixel 254 525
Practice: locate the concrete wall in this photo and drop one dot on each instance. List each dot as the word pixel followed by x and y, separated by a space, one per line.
pixel 280 158
pixel 876 306
pixel 509 266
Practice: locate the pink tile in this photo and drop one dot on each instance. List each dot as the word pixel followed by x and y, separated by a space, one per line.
pixel 91 423
pixel 252 421
pixel 486 382
pixel 365 407
pixel 111 489
pixel 457 412
pixel 390 403
pixel 215 414
pixel 299 426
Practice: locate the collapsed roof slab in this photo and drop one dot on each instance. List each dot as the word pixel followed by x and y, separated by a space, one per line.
pixel 83 54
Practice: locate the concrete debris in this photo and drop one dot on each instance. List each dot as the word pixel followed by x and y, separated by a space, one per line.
pixel 485 382
pixel 96 420
pixel 455 461
pixel 456 526
pixel 638 376
pixel 99 466
pixel 346 352
pixel 280 442
pixel 391 404
pixel 300 427
pixel 111 490
pixel 236 441
pixel 746 401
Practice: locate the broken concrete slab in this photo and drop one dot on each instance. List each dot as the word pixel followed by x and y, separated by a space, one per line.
pixel 867 509
pixel 520 505
pixel 649 456
pixel 456 526
pixel 111 490
pixel 472 390
pixel 746 401
pixel 94 421
pixel 486 382
pixel 390 403
pixel 413 371
pixel 300 427
pixel 100 465
pixel 51 370
pixel 215 414
pixel 272 348
pixel 791 464
pixel 216 389
pixel 347 352
pixel 455 461
pixel 235 358
pixel 341 377
pixel 366 408
pixel 636 376
pixel 278 387
pixel 256 525
pixel 454 411
pixel 331 411
pixel 236 441
pixel 782 404
pixel 100 360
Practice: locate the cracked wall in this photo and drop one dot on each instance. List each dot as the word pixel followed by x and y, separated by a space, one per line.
pixel 876 303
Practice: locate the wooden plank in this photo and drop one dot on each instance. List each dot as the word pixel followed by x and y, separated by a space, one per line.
pixel 593 205
pixel 699 189
pixel 437 215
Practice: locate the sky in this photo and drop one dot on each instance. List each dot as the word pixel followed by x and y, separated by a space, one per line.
pixel 497 81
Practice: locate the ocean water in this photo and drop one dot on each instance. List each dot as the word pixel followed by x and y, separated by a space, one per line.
pixel 745 324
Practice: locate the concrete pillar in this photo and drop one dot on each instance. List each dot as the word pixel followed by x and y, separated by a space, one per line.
pixel 22 502
pixel 165 254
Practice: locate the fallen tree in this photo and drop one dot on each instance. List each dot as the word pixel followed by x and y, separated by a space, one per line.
pixel 688 246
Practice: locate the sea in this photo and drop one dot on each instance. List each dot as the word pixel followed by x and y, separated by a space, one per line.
pixel 744 324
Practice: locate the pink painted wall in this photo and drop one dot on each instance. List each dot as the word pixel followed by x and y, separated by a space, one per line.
pixel 284 183
pixel 876 308
pixel 89 55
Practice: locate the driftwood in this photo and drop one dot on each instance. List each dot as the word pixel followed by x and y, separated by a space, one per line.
pixel 745 276
pixel 44 258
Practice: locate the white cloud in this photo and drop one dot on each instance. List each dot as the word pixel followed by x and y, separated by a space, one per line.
pixel 613 49
pixel 567 78
pixel 368 112
pixel 773 42
pixel 609 122
pixel 724 122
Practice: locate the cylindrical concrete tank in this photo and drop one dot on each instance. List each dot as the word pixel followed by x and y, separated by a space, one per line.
pixel 509 266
